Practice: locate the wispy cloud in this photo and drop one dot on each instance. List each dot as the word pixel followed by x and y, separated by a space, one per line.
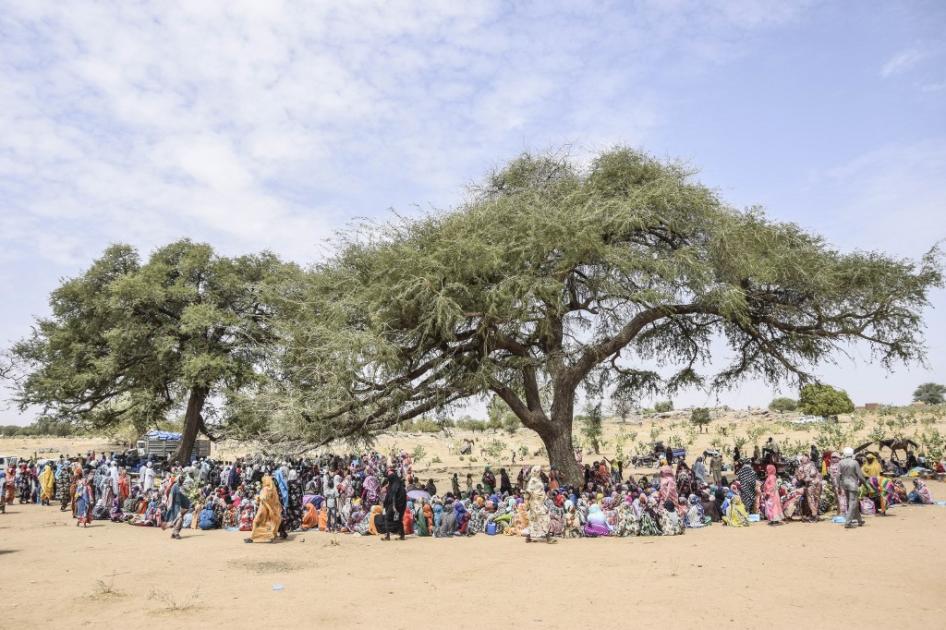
pixel 903 61
pixel 266 124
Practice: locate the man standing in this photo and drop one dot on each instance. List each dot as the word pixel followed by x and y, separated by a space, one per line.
pixel 716 469
pixel 850 478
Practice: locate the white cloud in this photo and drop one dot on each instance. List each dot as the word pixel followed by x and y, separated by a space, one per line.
pixel 237 122
pixel 903 61
pixel 256 125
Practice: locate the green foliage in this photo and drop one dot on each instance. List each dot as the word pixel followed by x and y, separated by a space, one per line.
pixel 783 404
pixel 470 424
pixel 622 408
pixel 700 416
pixel 133 342
pixel 663 406
pixel 494 448
pixel 43 426
pixel 496 413
pixel 823 400
pixel 930 393
pixel 418 453
pixel 591 426
pixel 755 432
pixel 421 425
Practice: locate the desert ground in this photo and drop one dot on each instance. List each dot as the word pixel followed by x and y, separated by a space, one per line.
pixel 813 575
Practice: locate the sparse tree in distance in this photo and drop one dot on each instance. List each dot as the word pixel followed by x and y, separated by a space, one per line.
pixel 663 406
pixel 817 399
pixel 592 428
pixel 783 404
pixel 700 416
pixel 929 393
pixel 622 408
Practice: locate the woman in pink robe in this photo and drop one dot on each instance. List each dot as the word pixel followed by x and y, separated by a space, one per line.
pixel 771 498
pixel 668 485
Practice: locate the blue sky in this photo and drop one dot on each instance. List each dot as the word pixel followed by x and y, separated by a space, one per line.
pixel 255 125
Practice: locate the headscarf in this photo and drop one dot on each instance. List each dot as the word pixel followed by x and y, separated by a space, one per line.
pixel 282 486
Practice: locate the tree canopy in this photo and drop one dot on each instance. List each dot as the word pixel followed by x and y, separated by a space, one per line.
pixel 135 342
pixel 930 393
pixel 818 399
pixel 552 278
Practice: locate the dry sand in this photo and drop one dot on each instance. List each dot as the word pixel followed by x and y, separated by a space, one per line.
pixel 798 575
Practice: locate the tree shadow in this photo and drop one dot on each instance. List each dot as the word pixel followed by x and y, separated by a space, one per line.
pixel 6 551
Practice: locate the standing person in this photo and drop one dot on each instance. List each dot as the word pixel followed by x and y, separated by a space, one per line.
pixel 489 480
pixel 808 475
pixel 747 481
pixel 395 502
pixel 185 507
pixel 268 514
pixel 147 477
pixel 331 504
pixel 85 498
pixel 772 500
pixel 834 473
pixel 716 469
pixel 454 485
pixel 699 471
pixel 47 485
pixel 851 478
pixel 3 492
pixel 505 485
pixel 538 511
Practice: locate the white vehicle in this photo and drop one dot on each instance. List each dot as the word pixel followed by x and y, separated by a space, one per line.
pixel 808 420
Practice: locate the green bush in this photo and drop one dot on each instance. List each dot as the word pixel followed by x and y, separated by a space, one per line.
pixel 783 404
pixel 663 406
pixel 824 400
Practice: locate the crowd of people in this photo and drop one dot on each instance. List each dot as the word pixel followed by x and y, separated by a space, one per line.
pixel 374 494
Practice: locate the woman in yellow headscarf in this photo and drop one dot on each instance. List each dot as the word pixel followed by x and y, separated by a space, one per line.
pixel 872 467
pixel 268 515
pixel 736 515
pixel 47 485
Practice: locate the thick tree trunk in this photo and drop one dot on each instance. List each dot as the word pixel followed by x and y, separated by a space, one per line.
pixel 192 422
pixel 557 438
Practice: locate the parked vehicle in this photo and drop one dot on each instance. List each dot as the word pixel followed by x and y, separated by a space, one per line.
pixel 159 446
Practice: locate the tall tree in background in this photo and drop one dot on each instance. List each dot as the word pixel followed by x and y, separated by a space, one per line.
pixel 553 278
pixel 818 399
pixel 929 393
pixel 136 342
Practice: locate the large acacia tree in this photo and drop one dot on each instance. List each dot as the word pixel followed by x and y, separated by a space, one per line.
pixel 552 278
pixel 137 342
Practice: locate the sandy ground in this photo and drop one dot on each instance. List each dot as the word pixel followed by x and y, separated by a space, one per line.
pixel 798 575
pixel 794 576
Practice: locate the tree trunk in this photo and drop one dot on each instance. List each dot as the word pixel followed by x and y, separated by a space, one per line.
pixel 557 438
pixel 192 421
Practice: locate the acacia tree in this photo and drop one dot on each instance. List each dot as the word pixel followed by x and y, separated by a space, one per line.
pixel 135 342
pixel 552 278
pixel 818 399
pixel 930 393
